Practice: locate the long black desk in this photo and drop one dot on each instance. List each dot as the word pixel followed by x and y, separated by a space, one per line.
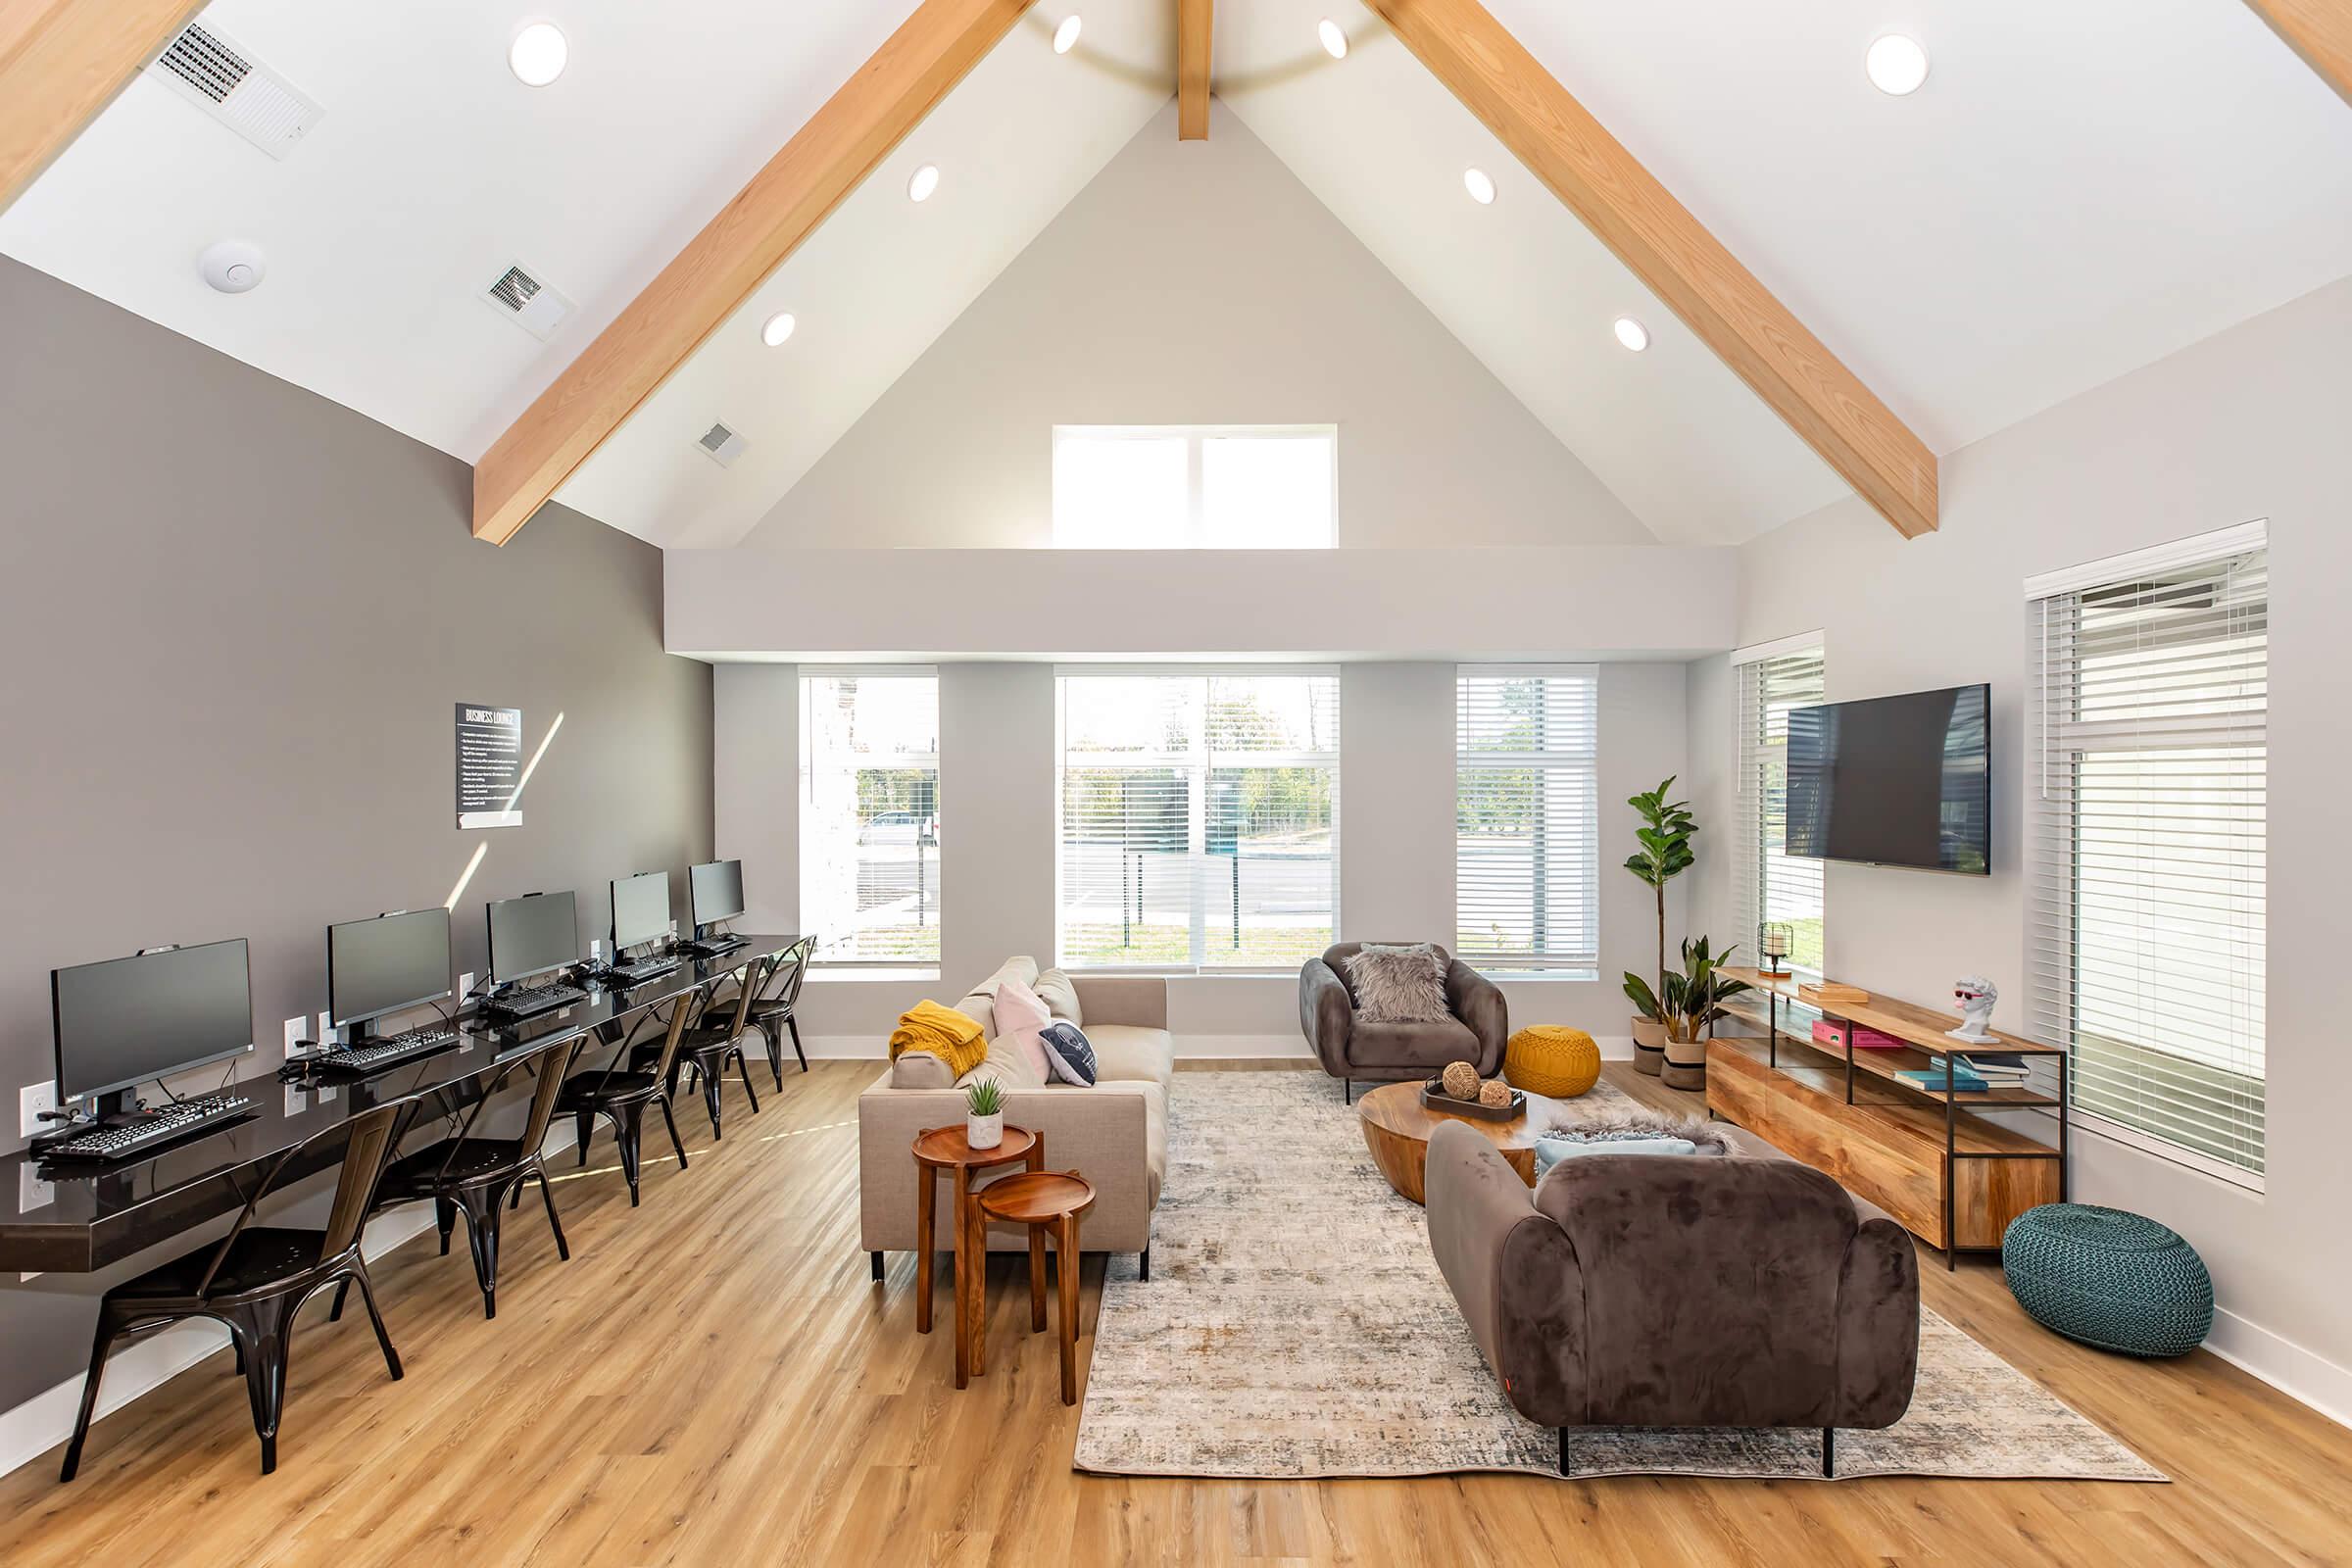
pixel 76 1219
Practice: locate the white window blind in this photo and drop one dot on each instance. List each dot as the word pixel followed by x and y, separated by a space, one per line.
pixel 1197 487
pixel 1772 887
pixel 1199 818
pixel 869 815
pixel 1526 817
pixel 2146 798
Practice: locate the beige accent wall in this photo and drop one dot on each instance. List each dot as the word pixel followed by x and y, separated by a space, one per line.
pixel 1197 283
pixel 2250 423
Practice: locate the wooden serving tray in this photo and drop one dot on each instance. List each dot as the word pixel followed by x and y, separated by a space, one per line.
pixel 1435 1097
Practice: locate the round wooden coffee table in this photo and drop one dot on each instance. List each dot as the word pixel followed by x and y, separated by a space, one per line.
pixel 1397 1129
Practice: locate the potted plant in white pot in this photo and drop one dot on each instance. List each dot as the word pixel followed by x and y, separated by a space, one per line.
pixel 1691 1004
pixel 1665 835
pixel 984 1115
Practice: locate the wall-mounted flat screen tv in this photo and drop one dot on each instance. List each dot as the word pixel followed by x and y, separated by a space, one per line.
pixel 1895 781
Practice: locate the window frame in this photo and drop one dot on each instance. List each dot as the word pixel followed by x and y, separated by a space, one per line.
pixel 2061 738
pixel 1194 437
pixel 1200 763
pixel 1752 802
pixel 1578 966
pixel 880 969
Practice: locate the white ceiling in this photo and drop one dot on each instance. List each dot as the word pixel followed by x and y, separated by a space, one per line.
pixel 2078 190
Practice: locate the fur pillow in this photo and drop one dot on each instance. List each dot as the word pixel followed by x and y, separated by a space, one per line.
pixel 1398 985
pixel 1632 1126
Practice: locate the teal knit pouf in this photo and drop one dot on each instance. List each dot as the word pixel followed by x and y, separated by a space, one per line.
pixel 2119 1281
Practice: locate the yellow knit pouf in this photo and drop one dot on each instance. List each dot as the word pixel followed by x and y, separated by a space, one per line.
pixel 1549 1058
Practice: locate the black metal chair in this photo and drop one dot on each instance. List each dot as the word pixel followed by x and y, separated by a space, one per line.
pixel 772 1013
pixel 708 1048
pixel 257 1277
pixel 479 1175
pixel 620 1097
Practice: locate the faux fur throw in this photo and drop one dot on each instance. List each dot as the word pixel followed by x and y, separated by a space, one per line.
pixel 1620 1126
pixel 1398 985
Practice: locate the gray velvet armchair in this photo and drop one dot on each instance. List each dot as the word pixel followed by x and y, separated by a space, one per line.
pixel 1350 1049
pixel 1637 1289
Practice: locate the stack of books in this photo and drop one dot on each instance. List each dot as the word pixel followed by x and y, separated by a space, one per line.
pixel 1973 1072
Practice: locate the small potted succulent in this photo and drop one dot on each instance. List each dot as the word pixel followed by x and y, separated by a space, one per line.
pixel 984 1115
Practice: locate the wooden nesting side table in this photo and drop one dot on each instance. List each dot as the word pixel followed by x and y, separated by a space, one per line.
pixel 944 1149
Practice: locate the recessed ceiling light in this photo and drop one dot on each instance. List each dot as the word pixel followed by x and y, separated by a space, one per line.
pixel 1335 42
pixel 1896 65
pixel 1065 36
pixel 1632 334
pixel 924 181
pixel 538 54
pixel 1480 186
pixel 776 328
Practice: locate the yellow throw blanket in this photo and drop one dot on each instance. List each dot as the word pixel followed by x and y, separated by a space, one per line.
pixel 945 1033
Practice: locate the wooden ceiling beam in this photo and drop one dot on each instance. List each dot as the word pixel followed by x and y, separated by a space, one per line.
pixel 1673 254
pixel 767 220
pixel 62 62
pixel 2320 30
pixel 1193 30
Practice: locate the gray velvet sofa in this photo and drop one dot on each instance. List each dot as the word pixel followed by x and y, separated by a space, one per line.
pixel 1630 1290
pixel 1350 1049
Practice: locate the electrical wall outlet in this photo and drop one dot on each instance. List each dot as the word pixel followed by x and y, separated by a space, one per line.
pixel 295 1035
pixel 326 1028
pixel 465 985
pixel 596 951
pixel 31 1100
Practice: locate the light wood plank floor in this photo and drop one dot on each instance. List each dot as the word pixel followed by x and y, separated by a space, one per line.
pixel 714 1379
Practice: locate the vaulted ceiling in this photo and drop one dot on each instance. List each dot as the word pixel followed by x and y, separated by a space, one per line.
pixel 2076 191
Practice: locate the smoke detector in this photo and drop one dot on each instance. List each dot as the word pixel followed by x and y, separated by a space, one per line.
pixel 232 266
pixel 211 71
pixel 721 445
pixel 519 295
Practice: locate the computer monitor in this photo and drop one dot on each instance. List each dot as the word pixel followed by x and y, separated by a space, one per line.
pixel 532 935
pixel 715 892
pixel 382 966
pixel 640 908
pixel 125 1021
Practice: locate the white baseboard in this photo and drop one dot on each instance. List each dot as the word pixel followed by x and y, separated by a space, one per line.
pixel 1189 1048
pixel 2298 1373
pixel 144 1364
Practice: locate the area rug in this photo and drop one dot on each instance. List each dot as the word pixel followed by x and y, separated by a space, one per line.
pixel 1296 1325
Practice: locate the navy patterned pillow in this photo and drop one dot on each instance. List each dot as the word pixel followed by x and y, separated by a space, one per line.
pixel 1069 1056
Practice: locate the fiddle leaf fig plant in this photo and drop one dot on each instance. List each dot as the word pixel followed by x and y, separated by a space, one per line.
pixel 1667 828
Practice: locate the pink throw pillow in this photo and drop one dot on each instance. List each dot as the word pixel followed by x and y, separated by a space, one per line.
pixel 1022 1018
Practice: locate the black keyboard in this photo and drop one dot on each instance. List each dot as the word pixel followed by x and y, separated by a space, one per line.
pixel 170 1125
pixel 643 970
pixel 388 1051
pixel 713 947
pixel 531 1000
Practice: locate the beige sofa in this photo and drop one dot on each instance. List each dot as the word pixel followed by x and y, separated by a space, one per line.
pixel 1114 1133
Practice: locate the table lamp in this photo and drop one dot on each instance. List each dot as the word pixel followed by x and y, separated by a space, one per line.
pixel 1775 944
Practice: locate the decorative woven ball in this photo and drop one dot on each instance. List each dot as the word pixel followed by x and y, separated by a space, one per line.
pixel 1548 1058
pixel 1460 1080
pixel 2108 1278
pixel 1495 1094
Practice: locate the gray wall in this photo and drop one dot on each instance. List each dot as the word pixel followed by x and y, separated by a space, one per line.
pixel 996 872
pixel 2250 423
pixel 238 619
pixel 1197 283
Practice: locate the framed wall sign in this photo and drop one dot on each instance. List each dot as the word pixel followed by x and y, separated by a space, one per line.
pixel 489 765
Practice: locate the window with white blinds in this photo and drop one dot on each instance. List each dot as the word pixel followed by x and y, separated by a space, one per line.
pixel 1526 819
pixel 869 815
pixel 2146 797
pixel 1771 886
pixel 1199 818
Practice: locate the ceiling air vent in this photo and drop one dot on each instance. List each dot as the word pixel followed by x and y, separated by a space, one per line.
pixel 211 71
pixel 528 302
pixel 723 445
